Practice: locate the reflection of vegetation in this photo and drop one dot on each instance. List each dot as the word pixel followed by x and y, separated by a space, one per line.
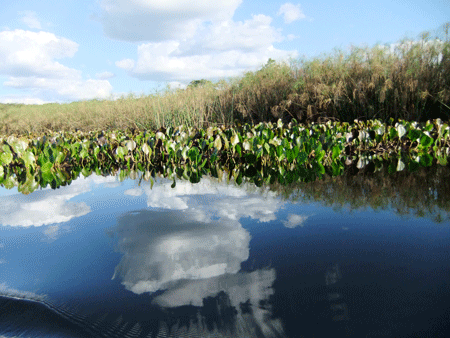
pixel 424 192
pixel 265 153
pixel 410 82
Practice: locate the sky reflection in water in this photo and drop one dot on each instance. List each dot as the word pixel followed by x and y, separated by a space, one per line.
pixel 212 258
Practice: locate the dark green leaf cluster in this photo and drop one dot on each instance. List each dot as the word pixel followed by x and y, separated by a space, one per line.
pixel 262 153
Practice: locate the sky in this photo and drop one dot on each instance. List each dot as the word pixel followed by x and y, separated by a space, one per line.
pixel 65 51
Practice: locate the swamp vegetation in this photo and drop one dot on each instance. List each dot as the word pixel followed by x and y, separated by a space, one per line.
pixel 367 109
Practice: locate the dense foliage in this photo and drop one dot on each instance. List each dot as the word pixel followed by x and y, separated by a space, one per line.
pixel 262 153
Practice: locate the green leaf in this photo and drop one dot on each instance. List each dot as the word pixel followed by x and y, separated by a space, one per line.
pixel 84 153
pixel 279 151
pixel 238 149
pixel 302 157
pixel 441 159
pixel 267 147
pixel 320 168
pixel 218 143
pixel 335 152
pixel 6 158
pixel 426 141
pixel 29 159
pixel 239 179
pixel 290 155
pixel 320 155
pixel 120 151
pixel 10 182
pixel 295 151
pixel 414 134
pixel 413 166
pixel 336 169
pixel 426 160
pixel 19 146
pixel 86 172
pixel 392 133
pixel 46 167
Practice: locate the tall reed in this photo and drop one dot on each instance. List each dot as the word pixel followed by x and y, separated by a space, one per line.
pixel 408 80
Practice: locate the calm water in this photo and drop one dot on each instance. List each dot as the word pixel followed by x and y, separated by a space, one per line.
pixel 103 258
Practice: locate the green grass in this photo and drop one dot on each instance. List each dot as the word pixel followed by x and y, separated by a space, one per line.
pixel 413 83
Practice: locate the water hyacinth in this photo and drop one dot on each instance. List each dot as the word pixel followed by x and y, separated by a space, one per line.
pixel 262 153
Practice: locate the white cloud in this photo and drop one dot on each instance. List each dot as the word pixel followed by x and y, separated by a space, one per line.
pixel 104 75
pixel 28 59
pixel 127 64
pixel 190 260
pixel 6 291
pixel 70 89
pixel 155 20
pixel 229 202
pixel 48 206
pixel 204 41
pixel 134 192
pixel 163 247
pixel 30 19
pixel 294 221
pixel 291 12
pixel 52 231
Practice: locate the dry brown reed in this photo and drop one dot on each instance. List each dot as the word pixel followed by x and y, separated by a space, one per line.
pixel 408 80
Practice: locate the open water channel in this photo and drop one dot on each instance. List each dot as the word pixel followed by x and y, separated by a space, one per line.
pixel 104 258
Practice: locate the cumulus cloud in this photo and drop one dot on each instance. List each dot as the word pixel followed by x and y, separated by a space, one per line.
pixel 228 201
pixel 181 40
pixel 48 206
pixel 30 19
pixel 155 20
pixel 28 59
pixel 291 12
pixel 190 261
pixel 163 247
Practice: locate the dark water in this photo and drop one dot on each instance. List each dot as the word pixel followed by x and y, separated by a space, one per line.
pixel 102 258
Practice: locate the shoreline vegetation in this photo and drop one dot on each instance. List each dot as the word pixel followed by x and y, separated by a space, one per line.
pixel 360 112
pixel 409 80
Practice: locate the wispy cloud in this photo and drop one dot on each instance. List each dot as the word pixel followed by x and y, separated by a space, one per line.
pixel 30 19
pixel 291 12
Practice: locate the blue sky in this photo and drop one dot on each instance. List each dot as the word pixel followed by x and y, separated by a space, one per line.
pixel 63 51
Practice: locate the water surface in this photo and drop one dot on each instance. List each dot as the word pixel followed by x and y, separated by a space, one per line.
pixel 103 258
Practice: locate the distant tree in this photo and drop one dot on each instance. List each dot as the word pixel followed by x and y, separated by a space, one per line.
pixel 199 83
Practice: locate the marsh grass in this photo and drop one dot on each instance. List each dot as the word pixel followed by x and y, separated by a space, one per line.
pixel 409 80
